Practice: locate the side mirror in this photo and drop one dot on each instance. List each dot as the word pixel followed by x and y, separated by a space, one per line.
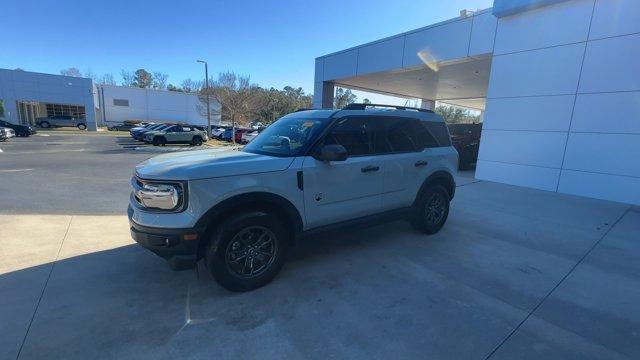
pixel 332 153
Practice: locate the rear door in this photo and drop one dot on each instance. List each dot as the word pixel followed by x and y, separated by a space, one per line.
pixel 405 147
pixel 342 190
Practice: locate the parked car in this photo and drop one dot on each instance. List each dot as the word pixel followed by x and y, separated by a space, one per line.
pixel 226 135
pixel 238 136
pixel 139 135
pixel 176 134
pixel 61 121
pixel 20 130
pixel 122 127
pixel 217 132
pixel 248 136
pixel 310 171
pixel 141 127
pixel 6 133
pixel 466 140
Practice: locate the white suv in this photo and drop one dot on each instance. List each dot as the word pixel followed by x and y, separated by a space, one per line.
pixel 310 171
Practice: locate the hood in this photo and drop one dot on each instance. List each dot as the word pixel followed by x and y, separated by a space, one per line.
pixel 203 164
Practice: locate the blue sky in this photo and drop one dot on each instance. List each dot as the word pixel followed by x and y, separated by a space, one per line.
pixel 275 42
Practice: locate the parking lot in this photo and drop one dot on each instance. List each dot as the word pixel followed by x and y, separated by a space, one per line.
pixel 515 273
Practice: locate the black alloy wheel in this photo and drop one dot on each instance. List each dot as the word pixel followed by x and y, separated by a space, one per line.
pixel 251 251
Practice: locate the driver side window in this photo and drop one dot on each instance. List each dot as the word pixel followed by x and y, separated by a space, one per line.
pixel 355 134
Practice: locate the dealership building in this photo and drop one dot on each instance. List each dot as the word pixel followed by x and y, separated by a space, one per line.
pixel 26 96
pixel 557 82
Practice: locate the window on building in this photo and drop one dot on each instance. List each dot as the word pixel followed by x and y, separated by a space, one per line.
pixel 120 102
pixel 75 111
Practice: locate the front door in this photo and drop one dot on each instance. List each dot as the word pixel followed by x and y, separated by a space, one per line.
pixel 342 190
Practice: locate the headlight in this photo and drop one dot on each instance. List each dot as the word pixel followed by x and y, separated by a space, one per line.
pixel 160 196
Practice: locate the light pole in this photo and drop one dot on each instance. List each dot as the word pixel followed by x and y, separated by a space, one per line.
pixel 206 85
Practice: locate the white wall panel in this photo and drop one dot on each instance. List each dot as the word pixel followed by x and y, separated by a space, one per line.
pixel 442 42
pixel 559 24
pixel 609 187
pixel 317 95
pixel 612 64
pixel 551 71
pixel 523 147
pixel 340 65
pixel 615 17
pixel 541 113
pixel 381 56
pixel 604 153
pixel 168 100
pixel 482 34
pixel 521 175
pixel 319 70
pixel 617 112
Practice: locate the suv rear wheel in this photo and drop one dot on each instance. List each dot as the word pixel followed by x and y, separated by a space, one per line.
pixel 158 140
pixel 82 126
pixel 196 141
pixel 45 124
pixel 432 210
pixel 247 251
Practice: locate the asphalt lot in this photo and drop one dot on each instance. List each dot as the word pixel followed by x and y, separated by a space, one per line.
pixel 72 174
pixel 515 273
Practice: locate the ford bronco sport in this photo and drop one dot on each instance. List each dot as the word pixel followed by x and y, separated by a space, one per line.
pixel 310 171
pixel 176 134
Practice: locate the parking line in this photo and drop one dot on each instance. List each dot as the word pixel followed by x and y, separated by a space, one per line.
pixel 15 170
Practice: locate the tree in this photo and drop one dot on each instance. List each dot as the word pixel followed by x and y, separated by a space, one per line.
pixel 274 103
pixel 106 79
pixel 127 78
pixel 90 75
pixel 189 85
pixel 72 71
pixel 142 79
pixel 159 80
pixel 343 98
pixel 236 94
pixel 1 108
pixel 455 114
pixel 172 87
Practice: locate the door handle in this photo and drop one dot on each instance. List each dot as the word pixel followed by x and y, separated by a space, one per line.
pixel 421 163
pixel 370 168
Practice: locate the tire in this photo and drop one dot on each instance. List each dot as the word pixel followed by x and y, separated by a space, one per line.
pixel 431 210
pixel 82 126
pixel 225 245
pixel 159 141
pixel 45 124
pixel 196 141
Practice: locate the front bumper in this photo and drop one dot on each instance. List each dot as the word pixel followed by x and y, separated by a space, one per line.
pixel 170 244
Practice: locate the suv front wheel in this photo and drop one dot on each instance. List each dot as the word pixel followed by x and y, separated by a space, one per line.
pixel 247 251
pixel 431 209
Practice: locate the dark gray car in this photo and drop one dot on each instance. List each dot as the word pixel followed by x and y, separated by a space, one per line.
pixel 62 121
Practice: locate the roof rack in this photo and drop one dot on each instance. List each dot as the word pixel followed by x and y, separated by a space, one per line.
pixel 360 106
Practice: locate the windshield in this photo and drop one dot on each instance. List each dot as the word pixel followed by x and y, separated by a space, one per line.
pixel 289 136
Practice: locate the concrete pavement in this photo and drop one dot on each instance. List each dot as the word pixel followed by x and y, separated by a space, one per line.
pixel 515 273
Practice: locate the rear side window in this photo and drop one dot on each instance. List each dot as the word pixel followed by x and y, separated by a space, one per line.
pixel 398 135
pixel 439 131
pixel 354 133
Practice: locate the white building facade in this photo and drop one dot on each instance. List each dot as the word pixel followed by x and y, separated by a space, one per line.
pixel 119 103
pixel 558 82
pixel 26 96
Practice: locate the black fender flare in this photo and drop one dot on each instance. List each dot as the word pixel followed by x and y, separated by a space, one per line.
pixel 441 177
pixel 258 201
